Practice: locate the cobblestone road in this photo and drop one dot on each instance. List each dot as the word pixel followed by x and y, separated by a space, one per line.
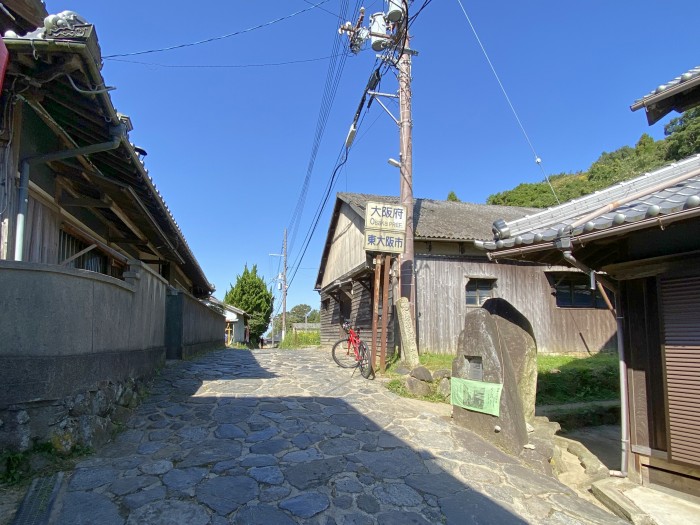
pixel 283 437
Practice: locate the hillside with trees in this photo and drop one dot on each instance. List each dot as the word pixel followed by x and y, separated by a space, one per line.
pixel 682 140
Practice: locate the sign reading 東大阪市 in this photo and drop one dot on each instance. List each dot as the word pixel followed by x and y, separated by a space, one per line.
pixel 385 227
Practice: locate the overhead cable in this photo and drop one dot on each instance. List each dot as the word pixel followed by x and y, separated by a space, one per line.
pixel 226 66
pixel 216 38
pixel 335 70
pixel 538 160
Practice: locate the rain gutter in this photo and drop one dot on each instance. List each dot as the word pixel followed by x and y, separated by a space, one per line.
pixel 25 165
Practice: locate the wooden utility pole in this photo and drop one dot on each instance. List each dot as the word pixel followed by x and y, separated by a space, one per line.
pixel 406 123
pixel 284 285
pixel 390 31
pixel 375 310
pixel 385 312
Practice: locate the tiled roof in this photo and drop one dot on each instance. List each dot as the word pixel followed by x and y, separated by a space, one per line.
pixel 668 190
pixel 67 37
pixel 679 94
pixel 447 220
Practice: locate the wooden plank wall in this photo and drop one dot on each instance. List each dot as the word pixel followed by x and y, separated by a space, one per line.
pixel 441 306
pixel 41 233
pixel 347 251
pixel 8 204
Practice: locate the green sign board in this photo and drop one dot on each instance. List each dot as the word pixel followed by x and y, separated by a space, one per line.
pixel 476 395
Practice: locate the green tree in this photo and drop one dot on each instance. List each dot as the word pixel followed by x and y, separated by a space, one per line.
pixel 314 316
pixel 250 293
pixel 298 314
pixel 683 135
pixel 452 197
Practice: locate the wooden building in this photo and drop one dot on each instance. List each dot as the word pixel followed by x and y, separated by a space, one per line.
pixel 452 276
pixel 74 191
pixel 641 239
pixel 98 285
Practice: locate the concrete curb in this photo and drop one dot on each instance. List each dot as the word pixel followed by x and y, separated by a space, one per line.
pixel 610 492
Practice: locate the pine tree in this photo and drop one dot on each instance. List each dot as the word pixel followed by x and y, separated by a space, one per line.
pixel 251 295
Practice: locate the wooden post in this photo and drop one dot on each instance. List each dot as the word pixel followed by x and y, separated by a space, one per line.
pixel 375 308
pixel 385 314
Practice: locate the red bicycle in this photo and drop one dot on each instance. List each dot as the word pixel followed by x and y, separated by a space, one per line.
pixel 352 352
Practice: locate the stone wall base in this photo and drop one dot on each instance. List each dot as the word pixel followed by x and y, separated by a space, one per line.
pixel 86 419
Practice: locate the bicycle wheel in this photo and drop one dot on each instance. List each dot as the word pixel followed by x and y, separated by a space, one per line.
pixel 343 354
pixel 365 360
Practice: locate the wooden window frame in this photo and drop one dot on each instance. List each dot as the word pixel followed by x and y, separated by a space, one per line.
pixel 479 294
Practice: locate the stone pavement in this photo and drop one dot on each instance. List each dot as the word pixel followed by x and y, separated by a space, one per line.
pixel 283 437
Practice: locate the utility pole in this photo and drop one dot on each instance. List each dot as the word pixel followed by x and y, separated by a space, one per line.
pixel 282 282
pixel 406 123
pixel 284 285
pixel 390 31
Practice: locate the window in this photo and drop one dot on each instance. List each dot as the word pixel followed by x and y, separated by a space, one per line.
pixel 69 246
pixel 477 291
pixel 573 290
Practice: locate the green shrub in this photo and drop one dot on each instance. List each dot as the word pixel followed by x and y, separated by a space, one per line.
pixel 301 340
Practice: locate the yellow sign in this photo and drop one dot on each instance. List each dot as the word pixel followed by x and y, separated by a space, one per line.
pixel 385 217
pixel 384 242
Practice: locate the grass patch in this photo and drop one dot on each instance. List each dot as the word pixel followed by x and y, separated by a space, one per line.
pixel 567 379
pixel 17 468
pixel 561 379
pixel 435 362
pixel 432 362
pixel 300 340
pixel 398 387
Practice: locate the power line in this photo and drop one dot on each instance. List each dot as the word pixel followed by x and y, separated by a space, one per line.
pixel 333 77
pixel 222 37
pixel 226 66
pixel 538 160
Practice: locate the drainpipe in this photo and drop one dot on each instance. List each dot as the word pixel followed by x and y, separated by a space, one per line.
pixel 49 157
pixel 624 403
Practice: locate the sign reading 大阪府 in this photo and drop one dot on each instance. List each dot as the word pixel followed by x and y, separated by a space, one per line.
pixel 385 227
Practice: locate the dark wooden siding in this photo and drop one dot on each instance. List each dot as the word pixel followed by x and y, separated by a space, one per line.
pixel 644 363
pixel 681 317
pixel 441 305
pixel 353 303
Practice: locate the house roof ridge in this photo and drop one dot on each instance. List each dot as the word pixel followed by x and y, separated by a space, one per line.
pixel 592 202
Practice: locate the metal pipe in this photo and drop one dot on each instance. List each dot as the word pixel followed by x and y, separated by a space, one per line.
pixel 624 400
pixel 25 164
pixel 608 283
pixel 624 404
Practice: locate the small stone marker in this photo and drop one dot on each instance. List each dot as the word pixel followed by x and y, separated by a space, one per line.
pixel 408 336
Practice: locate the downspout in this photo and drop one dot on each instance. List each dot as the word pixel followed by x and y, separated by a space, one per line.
pixel 624 403
pixel 624 400
pixel 49 157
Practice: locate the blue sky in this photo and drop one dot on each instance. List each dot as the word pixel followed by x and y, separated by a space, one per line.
pixel 229 147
